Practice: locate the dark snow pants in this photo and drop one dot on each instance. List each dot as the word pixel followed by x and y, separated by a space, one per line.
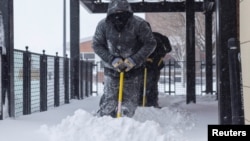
pixel 151 88
pixel 109 100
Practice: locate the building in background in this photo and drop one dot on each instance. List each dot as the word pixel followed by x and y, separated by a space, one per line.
pixel 86 51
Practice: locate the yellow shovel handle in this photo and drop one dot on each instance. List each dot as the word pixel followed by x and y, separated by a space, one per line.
pixel 120 94
pixel 144 88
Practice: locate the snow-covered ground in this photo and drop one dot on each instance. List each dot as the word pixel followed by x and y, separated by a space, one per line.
pixel 175 121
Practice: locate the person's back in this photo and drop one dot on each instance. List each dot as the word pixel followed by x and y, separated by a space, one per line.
pixel 123 42
pixel 154 64
pixel 155 60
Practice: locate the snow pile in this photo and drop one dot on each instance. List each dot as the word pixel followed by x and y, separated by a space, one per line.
pixel 82 126
pixel 147 124
pixel 174 121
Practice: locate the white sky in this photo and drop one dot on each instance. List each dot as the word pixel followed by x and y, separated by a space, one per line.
pixel 175 121
pixel 39 25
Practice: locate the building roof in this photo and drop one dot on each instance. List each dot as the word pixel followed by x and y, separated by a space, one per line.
pixel 101 6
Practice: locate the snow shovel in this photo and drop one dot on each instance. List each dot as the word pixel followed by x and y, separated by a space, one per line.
pixel 144 88
pixel 120 94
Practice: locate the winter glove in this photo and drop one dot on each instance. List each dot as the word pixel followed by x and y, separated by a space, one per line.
pixel 129 64
pixel 118 64
pixel 149 63
pixel 149 60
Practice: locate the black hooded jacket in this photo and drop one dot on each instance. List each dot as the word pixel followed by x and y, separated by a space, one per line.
pixel 135 40
pixel 156 58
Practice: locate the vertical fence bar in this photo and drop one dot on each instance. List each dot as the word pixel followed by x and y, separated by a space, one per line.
pixel 82 79
pixel 2 63
pixel 43 82
pixel 61 81
pixel 1 79
pixel 91 78
pixel 86 78
pixel 174 77
pixel 202 77
pixel 164 81
pixel 95 77
pixel 26 82
pixel 169 78
pixel 66 78
pixel 56 82
pixel 235 81
pixel 1 95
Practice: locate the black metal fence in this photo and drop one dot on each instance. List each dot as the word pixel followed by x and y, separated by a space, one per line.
pixel 172 79
pixel 2 52
pixel 42 82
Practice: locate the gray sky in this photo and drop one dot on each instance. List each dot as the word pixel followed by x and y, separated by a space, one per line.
pixel 39 25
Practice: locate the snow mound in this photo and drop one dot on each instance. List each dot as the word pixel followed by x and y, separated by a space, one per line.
pixel 174 121
pixel 83 126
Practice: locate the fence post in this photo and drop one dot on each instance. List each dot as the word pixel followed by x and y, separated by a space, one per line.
pixel 85 88
pixel 175 77
pixel 26 82
pixel 2 52
pixel 1 95
pixel 56 82
pixel 169 77
pixel 82 79
pixel 87 78
pixel 66 78
pixel 43 82
pixel 235 81
pixel 1 87
pixel 90 78
pixel 96 78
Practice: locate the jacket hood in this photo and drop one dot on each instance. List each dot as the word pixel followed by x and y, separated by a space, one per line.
pixel 119 5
